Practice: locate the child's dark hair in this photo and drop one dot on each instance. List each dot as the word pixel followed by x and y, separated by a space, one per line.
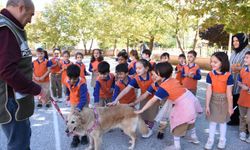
pixel 147 52
pixel 46 55
pixel 121 68
pixel 123 54
pixel 145 64
pixel 223 58
pixel 182 55
pixel 247 53
pixel 73 71
pixel 56 49
pixel 99 58
pixel 164 69
pixel 193 53
pixel 78 53
pixel 66 52
pixel 134 53
pixel 103 67
pixel 165 55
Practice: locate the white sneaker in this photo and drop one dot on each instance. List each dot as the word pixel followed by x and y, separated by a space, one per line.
pixel 248 139
pixel 193 139
pixel 150 132
pixel 243 136
pixel 222 144
pixel 209 144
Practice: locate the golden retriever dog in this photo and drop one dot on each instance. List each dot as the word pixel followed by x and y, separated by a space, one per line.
pixel 119 116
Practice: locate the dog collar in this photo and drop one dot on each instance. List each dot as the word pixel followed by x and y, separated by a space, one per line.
pixel 96 122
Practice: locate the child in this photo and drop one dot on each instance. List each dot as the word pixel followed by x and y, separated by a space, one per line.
pixel 180 66
pixel 219 106
pixel 244 103
pixel 64 65
pixel 123 81
pixel 191 73
pixel 79 63
pixel 134 58
pixel 146 54
pixel 96 58
pixel 183 114
pixel 164 57
pixel 55 76
pixel 77 94
pixel 142 80
pixel 122 57
pixel 41 70
pixel 105 83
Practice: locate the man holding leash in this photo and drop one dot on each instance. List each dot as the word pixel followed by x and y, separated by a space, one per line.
pixel 16 87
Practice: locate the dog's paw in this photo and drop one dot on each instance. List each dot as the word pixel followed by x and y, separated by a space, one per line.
pixel 131 147
pixel 89 148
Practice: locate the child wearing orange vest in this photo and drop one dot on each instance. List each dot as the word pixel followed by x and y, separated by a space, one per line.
pixel 41 70
pixel 121 83
pixel 77 94
pixel 142 80
pixel 191 73
pixel 146 54
pixel 96 58
pixel 56 76
pixel 186 105
pixel 79 63
pixel 64 65
pixel 133 54
pixel 180 66
pixel 219 105
pixel 244 99
pixel 105 84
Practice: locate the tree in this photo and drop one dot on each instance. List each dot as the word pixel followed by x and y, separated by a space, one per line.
pixel 216 35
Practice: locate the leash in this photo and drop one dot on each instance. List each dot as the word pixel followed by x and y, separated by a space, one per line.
pixel 96 121
pixel 57 108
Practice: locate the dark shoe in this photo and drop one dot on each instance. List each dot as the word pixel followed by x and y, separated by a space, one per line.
pixel 47 105
pixel 75 141
pixel 230 123
pixel 84 140
pixel 160 135
pixel 39 105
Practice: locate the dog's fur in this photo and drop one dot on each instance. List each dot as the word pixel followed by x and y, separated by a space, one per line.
pixel 119 116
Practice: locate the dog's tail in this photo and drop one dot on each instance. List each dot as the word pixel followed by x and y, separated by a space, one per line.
pixel 143 128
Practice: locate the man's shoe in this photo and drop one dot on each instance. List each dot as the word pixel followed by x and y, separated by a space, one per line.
pixel 39 105
pixel 47 105
pixel 160 135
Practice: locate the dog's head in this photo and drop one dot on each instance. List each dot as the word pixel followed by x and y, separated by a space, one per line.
pixel 73 122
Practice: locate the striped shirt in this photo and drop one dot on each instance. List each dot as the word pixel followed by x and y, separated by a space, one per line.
pixel 237 58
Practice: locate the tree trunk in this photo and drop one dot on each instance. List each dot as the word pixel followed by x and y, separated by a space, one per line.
pixel 179 44
pixel 91 44
pixel 196 39
pixel 127 45
pixel 115 43
pixel 151 43
pixel 229 52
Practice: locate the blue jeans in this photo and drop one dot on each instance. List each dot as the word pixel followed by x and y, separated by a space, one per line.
pixel 18 133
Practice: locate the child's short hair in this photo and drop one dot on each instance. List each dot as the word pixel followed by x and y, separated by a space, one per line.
pixel 164 69
pixel 103 67
pixel 165 55
pixel 147 52
pixel 145 64
pixel 223 58
pixel 247 53
pixel 121 68
pixel 78 53
pixel 193 53
pixel 56 49
pixel 182 55
pixel 123 54
pixel 73 71
pixel 40 49
pixel 66 52
pixel 134 53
